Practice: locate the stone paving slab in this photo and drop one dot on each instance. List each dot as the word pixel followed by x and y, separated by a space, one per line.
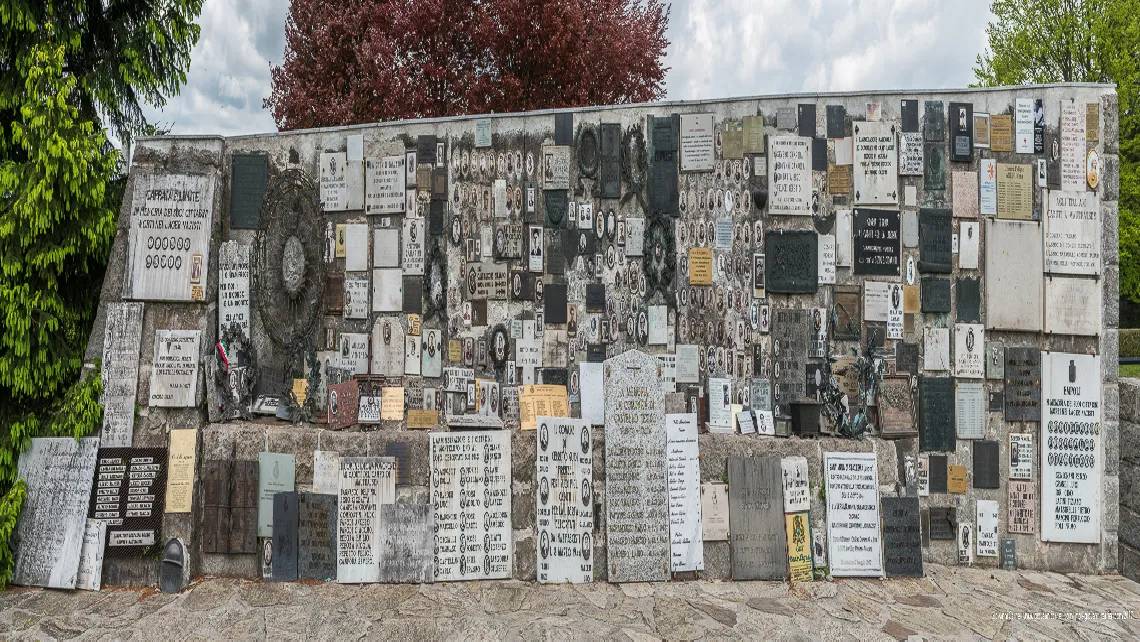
pixel 950 602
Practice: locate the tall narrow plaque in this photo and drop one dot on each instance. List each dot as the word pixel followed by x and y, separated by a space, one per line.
pixel 180 470
pixel 215 522
pixel 755 518
pixel 854 542
pixel 1071 449
pixel 796 496
pixel 637 491
pixel 1015 284
pixel 275 475
pixel 789 175
pixel 799 542
pixel 245 505
pixel 57 473
pixel 790 335
pixel 233 291
pixel 471 492
pixel 171 221
pixel 902 540
pixel 876 163
pixel 407 549
pixel 935 230
pixel 316 537
pixel 688 550
pixel 90 572
pixel 1022 384
pixel 121 340
pixel 970 409
pixel 366 483
pixel 1022 507
pixel 936 414
pixel 564 501
pixel 285 518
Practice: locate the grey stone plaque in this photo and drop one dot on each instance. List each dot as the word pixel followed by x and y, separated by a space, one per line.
pixel 49 532
pixel 163 203
pixel 1009 554
pixel 836 117
pixel 939 474
pixel 785 118
pixel 564 128
pixel 906 357
pixel 995 401
pixel 285 518
pixel 806 119
pixel 556 205
pixel 935 121
pixel 968 300
pixel 407 548
pixel 935 294
pixel 609 160
pixel 995 360
pixel 909 109
pixel 910 228
pixel 1022 384
pixel 934 172
pixel 663 165
pixel 637 491
pixel 756 518
pixel 902 539
pixel 121 340
pixel 876 243
pixel 249 175
pixel 986 473
pixel 316 537
pixel 936 414
pixel 943 523
pixel 791 264
pixel 935 240
pixel 275 475
pixel 791 331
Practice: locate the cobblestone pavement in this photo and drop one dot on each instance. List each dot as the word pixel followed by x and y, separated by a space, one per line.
pixel 949 602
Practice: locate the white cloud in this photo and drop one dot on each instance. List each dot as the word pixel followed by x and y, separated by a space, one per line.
pixel 720 48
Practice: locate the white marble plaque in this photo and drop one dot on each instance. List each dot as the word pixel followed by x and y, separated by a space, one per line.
pixel 471 492
pixel 910 154
pixel 564 501
pixel 334 181
pixel 936 349
pixel 1023 126
pixel 57 473
pixel 413 246
pixel 688 364
pixel 826 259
pixel 924 476
pixel 854 540
pixel 174 377
pixel 355 247
pixel 876 164
pixel 326 472
pixel 796 496
pixel 388 347
pixel 1072 146
pixel 987 515
pixel 387 290
pixel 895 312
pixel 593 393
pixel 635 236
pixel 1014 275
pixel 233 288
pixel 384 185
pixel 683 456
pixel 365 484
pixel 1072 233
pixel 987 186
pixel 970 409
pixel 969 233
pixel 697 143
pixel 969 350
pixel 121 338
pixel 789 175
pixel 714 512
pixel 432 353
pixel 720 402
pixel 1071 449
pixel 876 300
pixel 172 216
pixel 354 352
pixel 1072 306
pixel 386 247
pixel 91 556
pixel 555 168
pixel 356 295
pixel 1021 455
pixel 843 251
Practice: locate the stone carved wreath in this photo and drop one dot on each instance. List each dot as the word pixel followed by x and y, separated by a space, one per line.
pixel 660 261
pixel 435 281
pixel 290 250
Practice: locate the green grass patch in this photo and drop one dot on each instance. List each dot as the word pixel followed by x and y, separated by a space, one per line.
pixel 1132 371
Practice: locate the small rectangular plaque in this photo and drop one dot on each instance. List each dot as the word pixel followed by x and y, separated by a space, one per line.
pixel 902 539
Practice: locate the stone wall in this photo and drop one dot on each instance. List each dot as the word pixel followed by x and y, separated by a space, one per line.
pixel 526 133
pixel 1129 479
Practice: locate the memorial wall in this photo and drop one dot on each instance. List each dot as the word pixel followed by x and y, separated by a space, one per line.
pixel 801 336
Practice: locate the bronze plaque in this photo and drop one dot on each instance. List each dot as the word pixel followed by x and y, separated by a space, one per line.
pixel 243 507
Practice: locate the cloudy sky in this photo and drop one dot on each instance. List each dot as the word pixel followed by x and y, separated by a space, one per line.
pixel 720 48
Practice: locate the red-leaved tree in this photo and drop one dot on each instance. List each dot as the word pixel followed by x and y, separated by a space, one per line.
pixel 359 61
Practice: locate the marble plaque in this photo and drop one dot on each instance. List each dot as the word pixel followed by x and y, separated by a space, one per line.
pixel 171 221
pixel 789 175
pixel 934 237
pixel 970 409
pixel 90 573
pixel 1014 279
pixel 388 345
pixel 473 538
pixel 910 154
pixel 316 537
pixel 1022 384
pixel 902 539
pixel 233 289
pixel 986 459
pixel 683 457
pixel 697 134
pixel 333 181
pixel 356 296
pixel 852 491
pixel 285 518
pixel 791 332
pixel 1072 233
pixel 366 483
pixel 130 488
pixel 556 167
pixel 987 539
pixel 1072 306
pixel 249 174
pixel 1073 136
pixel 943 523
pixel 755 511
pixel 387 290
pixel 995 360
pixel 935 295
pixel 174 377
pixel 969 356
pixel 1071 448
pixel 275 475
pixel 876 163
pixel 1022 508
pixel 876 243
pixel 385 184
pixel 934 170
pixel 564 504
pixel 936 414
pixel 1021 455
pixel 939 474
pixel 49 532
pixel 637 492
pixel 797 497
pixel 120 374
pixel 714 512
pixel 936 349
pixel 407 549
pixel 987 187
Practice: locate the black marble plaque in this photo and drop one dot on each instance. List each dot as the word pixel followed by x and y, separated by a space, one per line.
pixel 791 330
pixel 939 474
pixel 564 128
pixel 479 313
pixel 1022 384
pixel 935 121
pixel 756 518
pixel 935 294
pixel 819 154
pixel 243 507
pixel 435 218
pixel 249 175
pixel 995 401
pixel 554 376
pixel 316 537
pixel 836 117
pixel 906 357
pixel 285 519
pixel 663 191
pixel 595 297
pixel 902 537
pixel 401 452
pixel 805 115
pixel 934 166
pixel 791 264
pixel 1009 555
pixel 413 294
pixel 935 240
pixel 558 246
pixel 609 161
pixel 595 353
pixel 909 109
pixel 521 285
pixel 936 414
pixel 961 132
pixel 586 243
pixel 215 506
pixel 425 151
pixel 986 473
pixel 407 545
pixel 876 242
pixel 556 205
pixel 968 300
pixel 130 491
pixel 943 523
pixel 554 303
